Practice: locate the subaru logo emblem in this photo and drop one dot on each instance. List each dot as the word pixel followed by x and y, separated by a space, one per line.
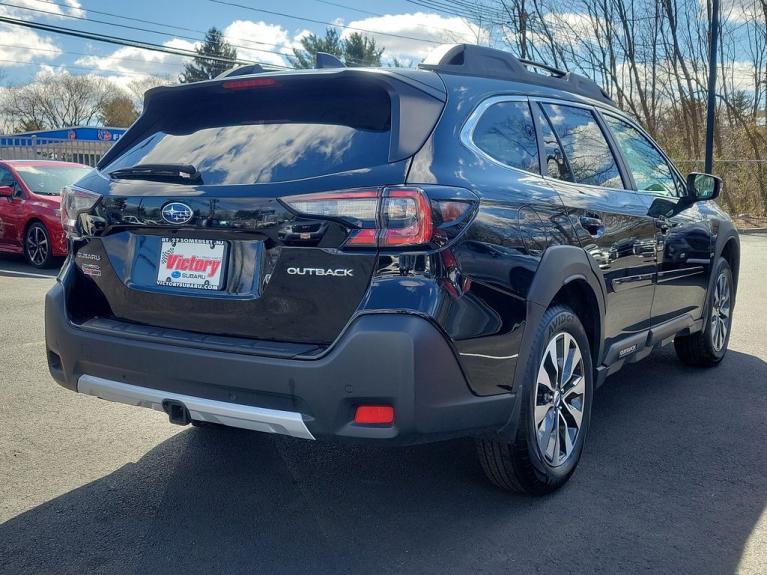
pixel 177 213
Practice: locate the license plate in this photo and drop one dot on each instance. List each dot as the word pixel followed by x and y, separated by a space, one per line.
pixel 189 263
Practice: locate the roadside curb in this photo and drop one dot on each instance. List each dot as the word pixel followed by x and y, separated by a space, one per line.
pixel 749 231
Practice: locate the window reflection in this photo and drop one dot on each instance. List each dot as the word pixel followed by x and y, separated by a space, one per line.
pixel 649 168
pixel 506 132
pixel 586 150
pixel 260 153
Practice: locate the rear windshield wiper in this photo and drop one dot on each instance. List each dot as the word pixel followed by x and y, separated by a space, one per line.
pixel 176 173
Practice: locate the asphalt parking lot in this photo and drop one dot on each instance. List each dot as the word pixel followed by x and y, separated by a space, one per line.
pixel 672 479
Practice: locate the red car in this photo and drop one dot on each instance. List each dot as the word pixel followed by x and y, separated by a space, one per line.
pixel 29 207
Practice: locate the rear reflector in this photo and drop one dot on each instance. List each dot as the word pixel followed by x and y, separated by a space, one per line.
pixel 372 414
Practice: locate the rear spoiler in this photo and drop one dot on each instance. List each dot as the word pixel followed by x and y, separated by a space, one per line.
pixel 417 99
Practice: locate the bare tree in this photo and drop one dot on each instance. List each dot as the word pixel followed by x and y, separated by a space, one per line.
pixel 57 100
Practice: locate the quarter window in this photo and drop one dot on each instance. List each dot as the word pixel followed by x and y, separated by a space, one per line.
pixel 588 154
pixel 506 133
pixel 651 172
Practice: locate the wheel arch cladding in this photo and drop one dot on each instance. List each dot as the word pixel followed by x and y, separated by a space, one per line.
pixel 731 253
pixel 565 275
pixel 579 297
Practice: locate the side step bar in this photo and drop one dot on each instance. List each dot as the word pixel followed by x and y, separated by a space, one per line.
pixel 200 409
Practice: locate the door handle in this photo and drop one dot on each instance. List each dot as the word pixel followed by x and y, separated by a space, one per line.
pixel 593 226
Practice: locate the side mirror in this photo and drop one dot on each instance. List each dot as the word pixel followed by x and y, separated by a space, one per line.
pixel 702 187
pixel 6 191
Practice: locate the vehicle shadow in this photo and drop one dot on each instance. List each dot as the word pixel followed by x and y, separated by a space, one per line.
pixel 672 481
pixel 12 265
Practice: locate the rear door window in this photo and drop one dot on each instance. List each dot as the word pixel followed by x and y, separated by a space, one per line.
pixel 506 133
pixel 554 158
pixel 588 154
pixel 273 134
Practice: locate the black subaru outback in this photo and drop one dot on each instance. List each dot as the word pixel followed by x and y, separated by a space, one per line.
pixel 466 249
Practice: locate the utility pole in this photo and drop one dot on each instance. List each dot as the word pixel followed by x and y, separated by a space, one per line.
pixel 711 108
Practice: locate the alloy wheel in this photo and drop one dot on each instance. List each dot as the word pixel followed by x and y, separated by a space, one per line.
pixel 560 398
pixel 37 245
pixel 720 312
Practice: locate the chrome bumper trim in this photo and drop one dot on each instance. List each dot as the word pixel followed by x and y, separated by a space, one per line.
pixel 200 409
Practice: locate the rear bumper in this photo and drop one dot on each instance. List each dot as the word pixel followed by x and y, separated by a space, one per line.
pixel 394 359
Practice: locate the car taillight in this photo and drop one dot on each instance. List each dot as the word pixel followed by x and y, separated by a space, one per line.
pixel 75 201
pixel 406 217
pixel 389 218
pixel 358 208
pixel 250 83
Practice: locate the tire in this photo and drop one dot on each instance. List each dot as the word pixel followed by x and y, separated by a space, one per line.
pixel 527 464
pixel 37 246
pixel 708 347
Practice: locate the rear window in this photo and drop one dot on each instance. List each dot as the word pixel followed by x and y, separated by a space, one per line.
pixel 48 180
pixel 269 134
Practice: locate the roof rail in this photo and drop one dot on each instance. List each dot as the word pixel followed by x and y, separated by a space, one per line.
pixel 471 60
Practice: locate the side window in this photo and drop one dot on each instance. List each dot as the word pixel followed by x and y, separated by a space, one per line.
pixel 586 149
pixel 650 170
pixel 6 178
pixel 506 133
pixel 553 155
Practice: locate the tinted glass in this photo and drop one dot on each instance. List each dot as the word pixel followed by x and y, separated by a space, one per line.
pixel 650 170
pixel 553 155
pixel 585 146
pixel 271 134
pixel 49 180
pixel 506 132
pixel 6 178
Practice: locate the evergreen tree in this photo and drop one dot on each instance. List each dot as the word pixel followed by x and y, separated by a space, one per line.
pixel 357 50
pixel 203 68
pixel 360 50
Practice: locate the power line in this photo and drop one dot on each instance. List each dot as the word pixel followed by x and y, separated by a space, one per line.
pixel 323 22
pixel 368 12
pixel 137 28
pixel 155 23
pixel 121 41
pixel 67 67
pixel 114 15
pixel 378 14
pixel 57 52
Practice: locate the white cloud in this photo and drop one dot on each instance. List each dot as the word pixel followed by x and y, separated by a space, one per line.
pixel 259 41
pixel 127 63
pixel 431 27
pixel 19 46
pixel 25 9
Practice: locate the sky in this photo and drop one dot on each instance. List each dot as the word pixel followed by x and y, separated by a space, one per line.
pixel 263 36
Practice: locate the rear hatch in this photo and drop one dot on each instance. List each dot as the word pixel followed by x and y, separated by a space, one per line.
pixel 249 207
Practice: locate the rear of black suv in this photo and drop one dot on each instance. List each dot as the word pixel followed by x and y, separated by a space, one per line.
pixel 252 254
pixel 467 249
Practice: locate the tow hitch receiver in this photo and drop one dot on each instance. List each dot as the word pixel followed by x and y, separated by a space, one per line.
pixel 177 411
